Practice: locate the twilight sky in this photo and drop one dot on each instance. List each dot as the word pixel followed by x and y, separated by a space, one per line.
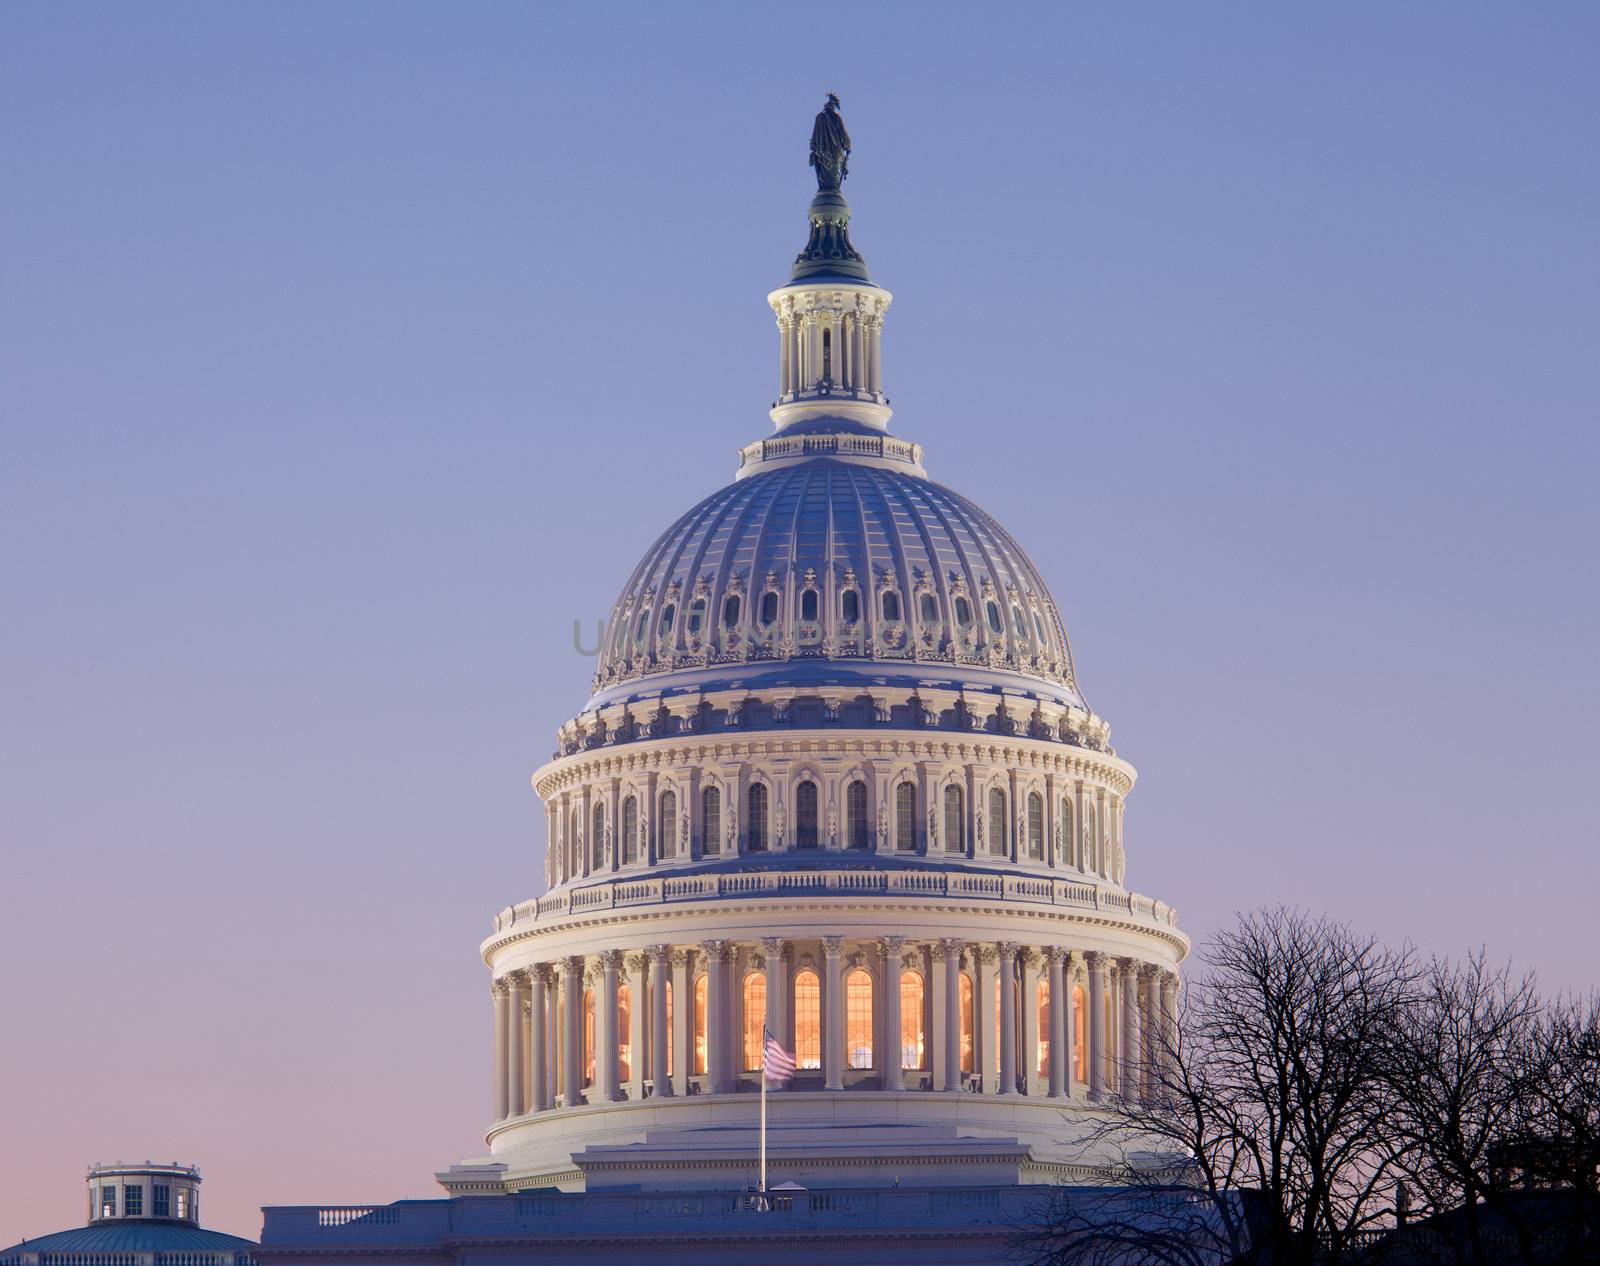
pixel 348 353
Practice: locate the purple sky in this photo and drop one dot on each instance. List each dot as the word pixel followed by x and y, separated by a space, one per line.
pixel 349 352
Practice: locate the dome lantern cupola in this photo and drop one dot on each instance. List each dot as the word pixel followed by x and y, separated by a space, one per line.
pixel 830 314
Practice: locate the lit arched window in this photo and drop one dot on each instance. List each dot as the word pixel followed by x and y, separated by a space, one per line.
pixel 855 814
pixel 891 605
pixel 624 1031
pixel 668 830
pixel 805 815
pixel 850 606
pixel 955 824
pixel 1035 825
pixel 858 1018
pixel 755 1018
pixel 769 608
pixel 1069 849
pixel 930 609
pixel 808 605
pixel 997 821
pixel 756 827
pixel 992 611
pixel 963 612
pixel 905 818
pixel 730 611
pixel 1080 1035
pixel 630 830
pixel 808 1019
pixel 597 838
pixel 699 1024
pixel 913 1032
pixel 1042 1022
pixel 711 820
pixel 588 1037
pixel 969 1044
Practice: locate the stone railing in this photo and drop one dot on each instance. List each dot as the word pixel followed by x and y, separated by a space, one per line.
pixel 1038 890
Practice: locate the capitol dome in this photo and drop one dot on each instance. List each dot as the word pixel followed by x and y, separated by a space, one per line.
pixel 835 782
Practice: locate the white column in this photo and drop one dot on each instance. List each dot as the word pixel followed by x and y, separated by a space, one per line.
pixel 660 1083
pixel 1168 1054
pixel 1006 1082
pixel 682 1022
pixel 952 1013
pixel 501 994
pixel 716 1015
pixel 605 1028
pixel 1149 1017
pixel 784 342
pixel 1029 959
pixel 1097 1024
pixel 1128 1058
pixel 875 353
pixel 1060 1052
pixel 772 951
pixel 538 1008
pixel 572 1030
pixel 637 1006
pixel 890 1061
pixel 516 996
pixel 858 359
pixel 833 1013
pixel 983 1005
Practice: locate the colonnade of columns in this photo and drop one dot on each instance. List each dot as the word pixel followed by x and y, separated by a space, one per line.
pixel 889 1013
pixel 840 347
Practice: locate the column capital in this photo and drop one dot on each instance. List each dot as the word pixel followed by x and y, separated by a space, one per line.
pixel 948 947
pixel 610 959
pixel 661 954
pixel 572 965
pixel 1006 949
pixel 498 988
pixel 892 946
pixel 518 979
pixel 1028 956
pixel 1094 960
pixel 833 946
pixel 541 974
pixel 678 957
pixel 1056 954
pixel 988 955
pixel 1149 973
pixel 773 947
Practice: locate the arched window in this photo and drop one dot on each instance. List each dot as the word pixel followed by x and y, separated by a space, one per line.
pixel 930 609
pixel 963 612
pixel 855 815
pixel 711 820
pixel 624 1031
pixel 642 625
pixel 597 838
pixel 667 832
pixel 1069 846
pixel 1035 825
pixel 805 815
pixel 667 612
pixel 730 611
pixel 913 1032
pixel 858 1019
pixel 588 1037
pixel 969 1044
pixel 1038 626
pixel 1080 1035
pixel 808 605
pixel 699 1065
pixel 574 856
pixel 955 823
pixel 697 617
pixel 850 606
pixel 1018 622
pixel 808 1019
pixel 992 611
pixel 891 605
pixel 1042 1024
pixel 630 830
pixel 755 1019
pixel 756 827
pixel 769 608
pixel 905 818
pixel 827 354
pixel 997 822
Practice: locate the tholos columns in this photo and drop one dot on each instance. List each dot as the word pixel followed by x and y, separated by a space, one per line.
pixel 538 1074
pixel 1128 1062
pixel 1028 967
pixel 1150 1013
pixel 1096 962
pixel 952 1013
pixel 605 1029
pixel 501 995
pixel 1168 1055
pixel 772 950
pixel 660 1083
pixel 572 1030
pixel 1006 1082
pixel 833 1014
pixel 716 1014
pixel 1060 1052
pixel 515 1000
pixel 893 1054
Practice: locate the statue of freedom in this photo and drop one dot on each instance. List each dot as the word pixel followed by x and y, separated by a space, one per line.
pixel 830 147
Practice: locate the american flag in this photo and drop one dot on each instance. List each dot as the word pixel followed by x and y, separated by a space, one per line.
pixel 777 1062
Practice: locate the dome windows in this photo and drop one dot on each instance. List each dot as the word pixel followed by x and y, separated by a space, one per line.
pixel 855 815
pixel 1035 826
pixel 808 605
pixel 991 611
pixel 963 612
pixel 1038 627
pixel 756 827
pixel 808 1019
pixel 730 611
pixel 597 838
pixel 711 820
pixel 850 606
pixel 890 605
pixel 769 609
pixel 929 609
pixel 669 824
pixel 805 815
pixel 997 822
pixel 858 1018
pixel 954 820
pixel 630 830
pixel 697 617
pixel 905 818
pixel 667 612
pixel 1019 622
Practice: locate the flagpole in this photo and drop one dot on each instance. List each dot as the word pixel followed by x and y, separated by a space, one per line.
pixel 763 1117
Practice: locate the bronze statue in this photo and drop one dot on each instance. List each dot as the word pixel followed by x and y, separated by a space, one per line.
pixel 830 147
